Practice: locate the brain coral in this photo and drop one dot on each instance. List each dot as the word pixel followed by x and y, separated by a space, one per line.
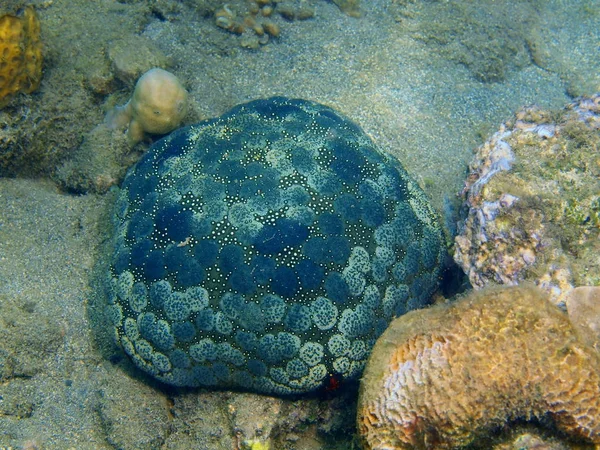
pixel 265 249
pixel 445 376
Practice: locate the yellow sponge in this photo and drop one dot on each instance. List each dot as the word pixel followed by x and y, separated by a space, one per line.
pixel 20 54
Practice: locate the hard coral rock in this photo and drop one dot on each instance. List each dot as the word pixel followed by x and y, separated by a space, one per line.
pixel 446 376
pixel 533 200
pixel 266 249
pixel 20 54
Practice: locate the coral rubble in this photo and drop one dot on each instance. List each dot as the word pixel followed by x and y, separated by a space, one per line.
pixel 20 54
pixel 255 20
pixel 533 200
pixel 266 249
pixel 446 376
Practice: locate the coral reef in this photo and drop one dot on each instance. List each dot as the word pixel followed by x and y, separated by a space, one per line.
pixel 239 420
pixel 266 249
pixel 446 376
pixel 20 54
pixel 534 204
pixel 158 105
pixel 38 132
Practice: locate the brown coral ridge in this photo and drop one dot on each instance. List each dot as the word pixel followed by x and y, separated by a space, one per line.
pixel 20 54
pixel 446 376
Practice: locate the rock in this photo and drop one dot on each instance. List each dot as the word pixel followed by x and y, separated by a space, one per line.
pixel 533 202
pixel 132 56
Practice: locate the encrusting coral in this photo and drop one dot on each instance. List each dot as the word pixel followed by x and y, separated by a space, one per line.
pixel 158 105
pixel 444 377
pixel 20 54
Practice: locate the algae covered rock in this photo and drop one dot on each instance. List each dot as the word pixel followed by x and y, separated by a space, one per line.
pixel 266 249
pixel 533 201
pixel 449 376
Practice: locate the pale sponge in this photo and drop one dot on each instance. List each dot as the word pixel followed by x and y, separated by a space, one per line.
pixel 157 106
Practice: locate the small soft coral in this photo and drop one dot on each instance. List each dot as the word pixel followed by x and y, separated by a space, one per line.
pixel 157 106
